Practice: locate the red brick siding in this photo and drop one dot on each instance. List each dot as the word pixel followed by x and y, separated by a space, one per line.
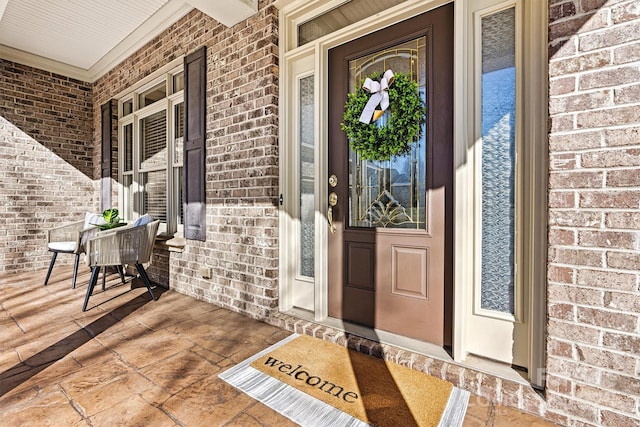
pixel 46 161
pixel 594 215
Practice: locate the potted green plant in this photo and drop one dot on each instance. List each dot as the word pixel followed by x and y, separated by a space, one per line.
pixel 111 219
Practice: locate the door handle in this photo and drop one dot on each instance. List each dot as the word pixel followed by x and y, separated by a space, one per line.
pixel 333 200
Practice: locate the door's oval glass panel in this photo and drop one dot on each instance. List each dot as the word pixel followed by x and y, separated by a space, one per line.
pixel 390 194
pixel 498 160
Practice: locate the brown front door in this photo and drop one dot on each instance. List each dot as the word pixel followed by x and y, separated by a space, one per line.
pixel 390 257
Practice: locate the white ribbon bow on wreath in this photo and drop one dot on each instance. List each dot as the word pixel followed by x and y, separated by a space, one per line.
pixel 379 96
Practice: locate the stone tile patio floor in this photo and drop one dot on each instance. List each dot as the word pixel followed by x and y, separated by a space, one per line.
pixel 129 361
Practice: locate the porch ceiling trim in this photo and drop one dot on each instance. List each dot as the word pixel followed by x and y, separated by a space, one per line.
pixel 228 13
pixel 3 6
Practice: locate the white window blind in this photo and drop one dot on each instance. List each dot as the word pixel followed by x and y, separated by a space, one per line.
pixel 154 141
pixel 155 194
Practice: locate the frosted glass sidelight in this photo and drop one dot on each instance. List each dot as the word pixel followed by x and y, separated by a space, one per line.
pixel 307 173
pixel 498 161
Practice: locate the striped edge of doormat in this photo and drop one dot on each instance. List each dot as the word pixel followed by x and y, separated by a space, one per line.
pixel 308 411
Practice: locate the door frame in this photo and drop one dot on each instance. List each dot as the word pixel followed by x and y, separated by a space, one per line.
pixel 295 12
pixel 373 304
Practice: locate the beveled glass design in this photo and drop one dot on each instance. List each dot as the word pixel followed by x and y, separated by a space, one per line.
pixel 307 173
pixel 390 194
pixel 498 161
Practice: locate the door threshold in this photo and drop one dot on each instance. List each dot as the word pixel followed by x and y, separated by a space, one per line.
pixel 486 366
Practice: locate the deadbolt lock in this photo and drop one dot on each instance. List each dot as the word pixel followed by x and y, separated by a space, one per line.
pixel 333 181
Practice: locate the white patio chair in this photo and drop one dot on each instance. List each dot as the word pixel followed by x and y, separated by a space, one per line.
pixel 71 239
pixel 129 245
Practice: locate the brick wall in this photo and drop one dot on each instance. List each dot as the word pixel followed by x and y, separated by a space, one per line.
pixel 242 156
pixel 594 214
pixel 158 270
pixel 242 171
pixel 46 161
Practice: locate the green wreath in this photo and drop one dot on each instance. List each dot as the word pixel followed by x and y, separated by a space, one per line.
pixel 404 126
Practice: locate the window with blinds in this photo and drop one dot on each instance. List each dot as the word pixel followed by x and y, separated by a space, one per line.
pixel 151 133
pixel 153 164
pixel 154 188
pixel 178 138
pixel 153 141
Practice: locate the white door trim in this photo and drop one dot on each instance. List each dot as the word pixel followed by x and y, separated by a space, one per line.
pixel 293 12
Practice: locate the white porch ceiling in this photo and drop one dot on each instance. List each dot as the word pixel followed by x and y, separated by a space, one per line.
pixel 84 39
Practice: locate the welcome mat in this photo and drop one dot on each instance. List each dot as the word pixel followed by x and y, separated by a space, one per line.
pixel 317 383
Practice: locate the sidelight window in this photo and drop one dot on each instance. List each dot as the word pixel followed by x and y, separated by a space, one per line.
pixel 307 177
pixel 498 167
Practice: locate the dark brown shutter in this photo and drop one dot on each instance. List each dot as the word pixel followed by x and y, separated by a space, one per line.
pixel 195 71
pixel 105 163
